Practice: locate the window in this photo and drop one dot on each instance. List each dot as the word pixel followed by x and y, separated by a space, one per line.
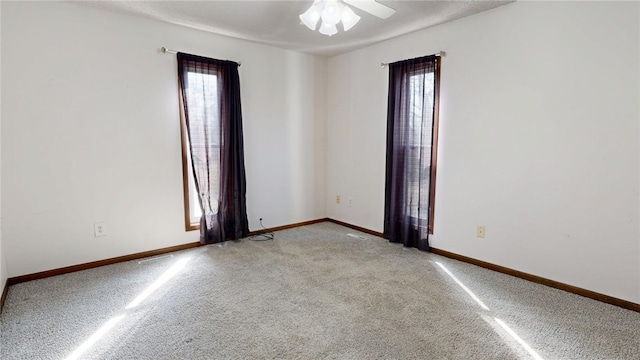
pixel 202 95
pixel 212 148
pixel 412 136
pixel 421 102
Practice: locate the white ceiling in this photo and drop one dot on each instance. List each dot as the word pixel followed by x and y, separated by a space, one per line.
pixel 276 22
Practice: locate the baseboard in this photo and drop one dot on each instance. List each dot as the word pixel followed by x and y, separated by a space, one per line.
pixel 540 280
pixel 95 264
pixel 529 277
pixel 5 291
pixel 354 227
pixel 519 274
pixel 285 227
pixel 115 260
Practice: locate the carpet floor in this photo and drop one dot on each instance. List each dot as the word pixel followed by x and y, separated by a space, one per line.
pixel 312 293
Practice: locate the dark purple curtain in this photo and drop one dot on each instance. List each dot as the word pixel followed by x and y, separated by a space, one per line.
pixel 210 92
pixel 409 138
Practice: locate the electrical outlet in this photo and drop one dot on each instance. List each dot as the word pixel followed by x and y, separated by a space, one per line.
pixel 337 199
pixel 350 202
pixel 99 229
pixel 480 231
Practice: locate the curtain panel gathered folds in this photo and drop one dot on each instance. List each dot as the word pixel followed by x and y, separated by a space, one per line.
pixel 410 122
pixel 210 94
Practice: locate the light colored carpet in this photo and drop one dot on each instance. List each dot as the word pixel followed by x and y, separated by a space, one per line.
pixel 312 293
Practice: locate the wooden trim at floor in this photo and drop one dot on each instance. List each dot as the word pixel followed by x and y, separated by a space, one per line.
pixel 94 264
pixel 285 227
pixel 5 291
pixel 519 274
pixel 540 280
pixel 361 229
pixel 115 260
pixel 533 278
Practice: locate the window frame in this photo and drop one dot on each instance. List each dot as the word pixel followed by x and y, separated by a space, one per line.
pixel 188 180
pixel 434 145
pixel 188 183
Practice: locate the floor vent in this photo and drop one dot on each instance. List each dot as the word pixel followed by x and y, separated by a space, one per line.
pixel 154 259
pixel 357 236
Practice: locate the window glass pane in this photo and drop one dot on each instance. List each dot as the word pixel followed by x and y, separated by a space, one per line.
pixel 204 127
pixel 420 112
pixel 194 203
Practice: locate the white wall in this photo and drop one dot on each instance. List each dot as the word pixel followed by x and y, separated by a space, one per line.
pixel 539 139
pixel 91 133
pixel 3 262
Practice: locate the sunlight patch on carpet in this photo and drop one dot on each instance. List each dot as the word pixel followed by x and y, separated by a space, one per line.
pixel 95 337
pixel 473 296
pixel 518 339
pixel 500 322
pixel 171 272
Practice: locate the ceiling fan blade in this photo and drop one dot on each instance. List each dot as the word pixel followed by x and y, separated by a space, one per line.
pixel 372 7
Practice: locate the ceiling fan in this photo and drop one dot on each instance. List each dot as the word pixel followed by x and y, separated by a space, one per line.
pixel 333 12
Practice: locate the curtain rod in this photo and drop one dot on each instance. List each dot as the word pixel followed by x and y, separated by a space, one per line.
pixel 165 50
pixel 439 53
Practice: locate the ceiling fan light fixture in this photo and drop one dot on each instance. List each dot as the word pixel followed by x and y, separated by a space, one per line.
pixel 328 29
pixel 310 17
pixel 332 12
pixel 349 18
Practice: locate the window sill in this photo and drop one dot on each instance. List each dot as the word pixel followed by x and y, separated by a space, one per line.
pixel 192 226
